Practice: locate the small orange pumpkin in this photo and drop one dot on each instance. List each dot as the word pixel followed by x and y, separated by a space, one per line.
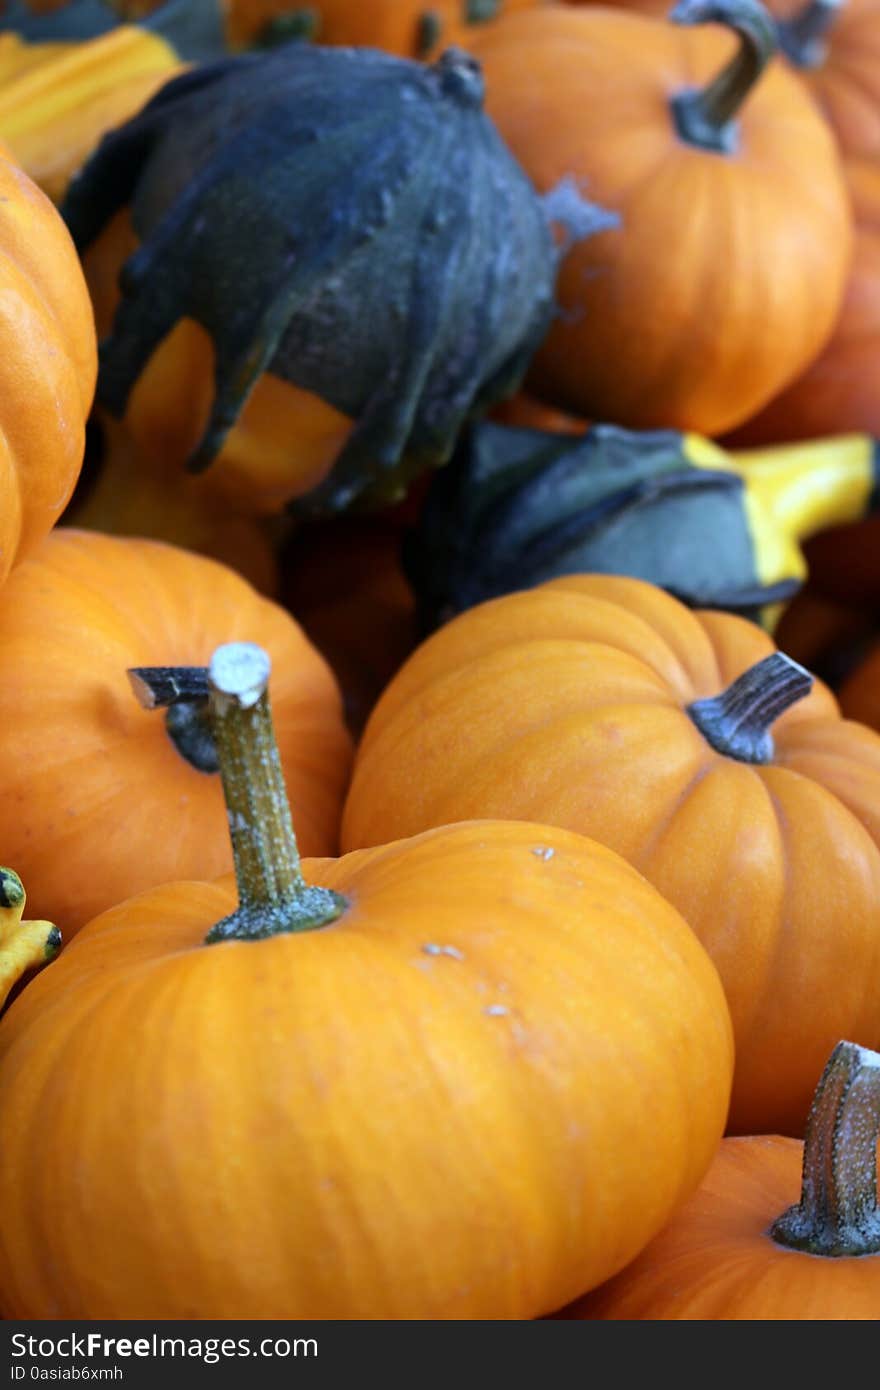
pixel 835 48
pixel 48 364
pixel 838 391
pixel 603 705
pixel 466 1077
pixel 735 1253
pixel 727 273
pixel 100 801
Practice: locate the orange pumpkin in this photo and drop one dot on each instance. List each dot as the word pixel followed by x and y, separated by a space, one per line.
pixel 100 801
pixel 838 391
pixel 835 48
pixel 411 28
pixel 466 1077
pixel 577 703
pixel 735 1253
pixel 727 273
pixel 48 364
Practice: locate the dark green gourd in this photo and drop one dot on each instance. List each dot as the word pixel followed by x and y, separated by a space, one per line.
pixel 516 507
pixel 348 221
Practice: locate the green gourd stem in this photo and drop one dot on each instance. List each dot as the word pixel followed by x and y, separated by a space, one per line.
pixel 274 897
pixel 737 722
pixel 802 37
pixel 706 116
pixel 838 1213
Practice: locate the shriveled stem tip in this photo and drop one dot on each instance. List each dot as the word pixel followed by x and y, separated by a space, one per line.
pixel 240 672
pixel 158 687
pixel 737 722
pixel 838 1213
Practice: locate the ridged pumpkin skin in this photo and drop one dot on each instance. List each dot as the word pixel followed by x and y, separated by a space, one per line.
pixel 48 364
pixel 839 390
pixel 727 273
pixel 566 704
pixel 480 1090
pixel 716 1262
pixel 97 802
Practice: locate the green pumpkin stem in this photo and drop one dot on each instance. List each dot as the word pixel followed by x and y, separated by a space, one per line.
pixel 737 722
pixel 838 1213
pixel 802 37
pixel 273 895
pixel 706 116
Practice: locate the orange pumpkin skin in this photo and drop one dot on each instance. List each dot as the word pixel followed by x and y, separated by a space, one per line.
pixel 407 1114
pixel 716 1262
pixel 410 28
pixel 566 704
pixel 727 272
pixel 48 364
pixel 838 392
pixel 98 803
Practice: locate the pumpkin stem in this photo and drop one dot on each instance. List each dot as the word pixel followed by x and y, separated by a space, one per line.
pixel 838 1212
pixel 182 691
pixel 737 722
pixel 23 945
pixel 802 37
pixel 706 116
pixel 273 895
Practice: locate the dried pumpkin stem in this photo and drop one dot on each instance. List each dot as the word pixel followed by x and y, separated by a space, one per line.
pixel 737 722
pixel 273 895
pixel 183 692
pixel 802 37
pixel 706 116
pixel 838 1213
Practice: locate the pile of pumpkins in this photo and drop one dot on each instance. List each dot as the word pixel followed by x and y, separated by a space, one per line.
pixel 478 386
